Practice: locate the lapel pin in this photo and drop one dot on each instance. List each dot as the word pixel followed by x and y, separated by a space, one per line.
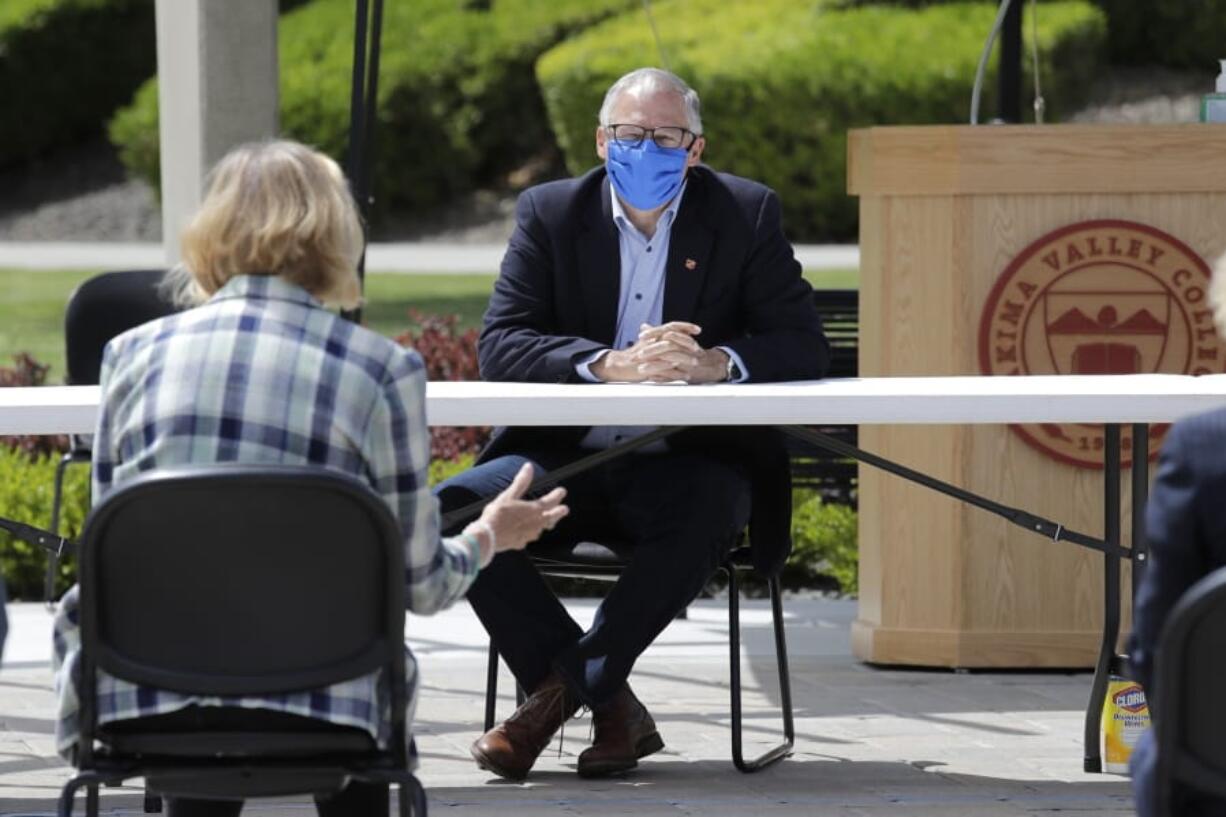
pixel 690 263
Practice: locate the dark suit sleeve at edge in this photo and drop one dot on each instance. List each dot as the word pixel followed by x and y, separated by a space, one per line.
pixel 1176 554
pixel 517 341
pixel 784 331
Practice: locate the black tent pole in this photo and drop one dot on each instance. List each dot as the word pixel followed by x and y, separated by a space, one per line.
pixel 363 103
pixel 1009 78
pixel 372 101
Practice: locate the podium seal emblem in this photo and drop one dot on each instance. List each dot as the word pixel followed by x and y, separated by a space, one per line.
pixel 1099 297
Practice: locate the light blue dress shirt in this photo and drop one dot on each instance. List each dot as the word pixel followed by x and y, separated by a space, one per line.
pixel 640 300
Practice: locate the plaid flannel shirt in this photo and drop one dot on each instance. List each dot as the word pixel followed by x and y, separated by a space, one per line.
pixel 262 373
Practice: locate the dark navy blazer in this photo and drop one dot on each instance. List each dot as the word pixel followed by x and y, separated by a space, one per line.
pixel 1186 534
pixel 730 270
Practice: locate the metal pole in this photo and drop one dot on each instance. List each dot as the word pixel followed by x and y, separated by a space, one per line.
pixel 1009 78
pixel 1111 597
pixel 1140 496
pixel 371 106
pixel 357 99
pixel 357 141
pixel 363 104
pixel 491 687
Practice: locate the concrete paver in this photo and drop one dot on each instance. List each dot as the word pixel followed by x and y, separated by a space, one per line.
pixel 870 742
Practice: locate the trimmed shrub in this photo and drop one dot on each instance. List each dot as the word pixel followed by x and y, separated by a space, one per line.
pixel 824 543
pixel 134 133
pixel 449 355
pixel 441 470
pixel 1176 33
pixel 65 65
pixel 825 550
pixel 26 488
pixel 458 102
pixel 782 81
pixel 905 3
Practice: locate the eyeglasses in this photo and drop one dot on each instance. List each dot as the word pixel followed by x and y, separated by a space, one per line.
pixel 665 137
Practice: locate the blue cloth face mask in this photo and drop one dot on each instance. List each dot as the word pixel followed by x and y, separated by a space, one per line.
pixel 645 175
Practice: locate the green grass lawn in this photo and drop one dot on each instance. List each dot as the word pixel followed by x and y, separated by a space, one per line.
pixel 32 315
pixel 390 297
pixel 32 306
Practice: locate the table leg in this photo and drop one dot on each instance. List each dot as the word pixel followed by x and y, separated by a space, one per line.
pixel 1140 495
pixel 1111 597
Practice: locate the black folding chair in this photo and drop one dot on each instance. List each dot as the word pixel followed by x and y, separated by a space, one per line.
pixel 1187 699
pixel 99 309
pixel 241 580
pixel 590 560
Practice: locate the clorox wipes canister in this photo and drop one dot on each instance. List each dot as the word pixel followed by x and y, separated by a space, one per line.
pixel 1125 718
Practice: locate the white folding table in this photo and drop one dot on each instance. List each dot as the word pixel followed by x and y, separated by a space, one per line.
pixel 1112 400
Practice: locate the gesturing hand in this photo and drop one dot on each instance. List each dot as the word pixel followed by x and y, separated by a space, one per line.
pixel 661 354
pixel 516 521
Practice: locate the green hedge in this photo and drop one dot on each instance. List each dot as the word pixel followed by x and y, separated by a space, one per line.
pixel 458 102
pixel 65 65
pixel 1176 33
pixel 782 81
pixel 26 488
pixel 824 543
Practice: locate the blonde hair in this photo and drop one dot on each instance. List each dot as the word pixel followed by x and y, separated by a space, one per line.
pixel 1217 296
pixel 273 208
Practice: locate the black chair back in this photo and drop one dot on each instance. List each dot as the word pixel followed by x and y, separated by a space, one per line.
pixel 242 580
pixel 101 308
pixel 1187 699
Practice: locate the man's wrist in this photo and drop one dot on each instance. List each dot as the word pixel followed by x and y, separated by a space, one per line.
pixel 733 373
pixel 591 368
pixel 721 364
pixel 597 366
pixel 600 367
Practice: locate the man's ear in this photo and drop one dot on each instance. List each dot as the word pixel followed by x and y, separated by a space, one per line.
pixel 695 154
pixel 602 143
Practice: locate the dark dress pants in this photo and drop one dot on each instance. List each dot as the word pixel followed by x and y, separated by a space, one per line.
pixel 681 512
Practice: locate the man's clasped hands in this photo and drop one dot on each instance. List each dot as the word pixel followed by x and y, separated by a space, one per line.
pixel 663 354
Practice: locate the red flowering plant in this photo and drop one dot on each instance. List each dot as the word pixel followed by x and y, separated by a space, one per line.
pixel 450 355
pixel 26 371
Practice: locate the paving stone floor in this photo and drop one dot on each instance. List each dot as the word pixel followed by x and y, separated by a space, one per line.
pixel 870 742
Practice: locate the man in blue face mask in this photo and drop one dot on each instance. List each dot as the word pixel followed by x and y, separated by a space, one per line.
pixel 651 267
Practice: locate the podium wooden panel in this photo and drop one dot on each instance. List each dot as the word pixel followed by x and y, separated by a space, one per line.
pixel 943 212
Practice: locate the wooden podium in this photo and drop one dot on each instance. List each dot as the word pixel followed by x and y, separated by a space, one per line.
pixel 1083 243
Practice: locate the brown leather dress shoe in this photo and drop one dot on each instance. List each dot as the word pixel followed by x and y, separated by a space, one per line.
pixel 624 733
pixel 509 749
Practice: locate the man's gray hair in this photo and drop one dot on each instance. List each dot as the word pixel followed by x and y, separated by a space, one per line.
pixel 654 79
